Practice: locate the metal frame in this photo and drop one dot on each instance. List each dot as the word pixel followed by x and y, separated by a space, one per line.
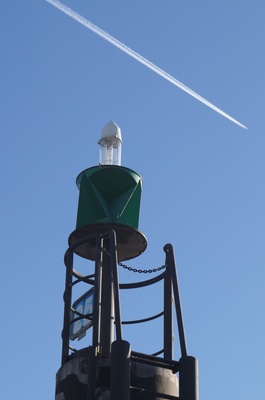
pixel 107 316
pixel 170 284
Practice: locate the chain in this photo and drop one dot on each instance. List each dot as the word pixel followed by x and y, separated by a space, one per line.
pixel 142 271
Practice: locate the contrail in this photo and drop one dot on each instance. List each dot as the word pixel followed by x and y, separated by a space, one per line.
pixel 139 58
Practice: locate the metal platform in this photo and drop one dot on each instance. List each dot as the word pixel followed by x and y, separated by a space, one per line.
pixel 130 242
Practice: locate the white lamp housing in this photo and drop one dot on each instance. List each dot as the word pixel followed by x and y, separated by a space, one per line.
pixel 110 145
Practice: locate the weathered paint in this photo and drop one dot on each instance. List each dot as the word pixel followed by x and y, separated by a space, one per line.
pixel 73 379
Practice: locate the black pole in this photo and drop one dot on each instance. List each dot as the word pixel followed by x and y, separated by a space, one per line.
pixel 97 294
pixel 94 349
pixel 120 370
pixel 188 378
pixel 170 262
pixel 107 303
pixel 168 330
pixel 113 252
pixel 67 305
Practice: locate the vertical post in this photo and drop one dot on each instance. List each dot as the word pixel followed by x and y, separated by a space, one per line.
pixel 170 262
pixel 107 303
pixel 116 296
pixel 120 370
pixel 93 350
pixel 168 334
pixel 97 294
pixel 91 374
pixel 67 305
pixel 188 378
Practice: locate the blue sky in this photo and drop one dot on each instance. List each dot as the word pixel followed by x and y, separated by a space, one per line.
pixel 203 176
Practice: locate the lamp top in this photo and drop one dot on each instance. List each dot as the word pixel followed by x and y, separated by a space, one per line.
pixel 111 130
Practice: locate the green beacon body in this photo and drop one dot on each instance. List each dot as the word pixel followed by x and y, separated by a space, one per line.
pixel 109 198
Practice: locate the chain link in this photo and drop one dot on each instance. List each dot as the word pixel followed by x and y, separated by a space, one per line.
pixel 142 271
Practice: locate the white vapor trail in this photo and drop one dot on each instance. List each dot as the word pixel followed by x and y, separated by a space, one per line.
pixel 139 58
